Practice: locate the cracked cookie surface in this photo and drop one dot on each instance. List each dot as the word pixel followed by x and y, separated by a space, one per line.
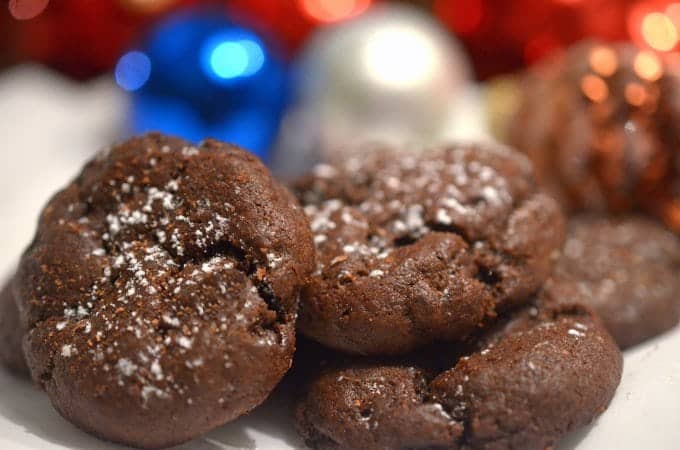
pixel 523 384
pixel 415 248
pixel 160 292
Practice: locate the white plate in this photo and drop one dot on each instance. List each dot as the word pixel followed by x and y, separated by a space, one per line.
pixel 50 126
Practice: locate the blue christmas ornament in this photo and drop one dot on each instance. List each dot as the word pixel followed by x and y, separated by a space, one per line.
pixel 206 77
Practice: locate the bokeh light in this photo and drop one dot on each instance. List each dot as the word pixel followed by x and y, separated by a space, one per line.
pixel 229 60
pixel 133 70
pixel 659 32
pixel 635 94
pixel 236 59
pixel 603 61
pixel 333 10
pixel 26 9
pixel 400 56
pixel 230 57
pixel 648 66
pixel 594 88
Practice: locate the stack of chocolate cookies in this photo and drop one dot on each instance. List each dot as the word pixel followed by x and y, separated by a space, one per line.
pixel 161 295
pixel 429 281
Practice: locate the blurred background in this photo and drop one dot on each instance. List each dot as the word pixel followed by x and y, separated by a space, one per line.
pixel 294 81
pixel 290 79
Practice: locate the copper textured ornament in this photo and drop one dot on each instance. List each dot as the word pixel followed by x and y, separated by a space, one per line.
pixel 600 123
pixel 391 75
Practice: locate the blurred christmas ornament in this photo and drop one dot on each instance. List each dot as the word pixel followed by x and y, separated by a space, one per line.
pixel 82 38
pixel 600 124
pixel 391 75
pixel 199 75
pixel 291 21
pixel 503 36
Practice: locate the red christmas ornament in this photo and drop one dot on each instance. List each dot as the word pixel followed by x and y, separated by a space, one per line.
pixel 503 36
pixel 84 38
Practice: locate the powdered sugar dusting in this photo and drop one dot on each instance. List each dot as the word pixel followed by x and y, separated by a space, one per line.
pixel 68 350
pixel 126 367
pixel 166 264
pixel 386 201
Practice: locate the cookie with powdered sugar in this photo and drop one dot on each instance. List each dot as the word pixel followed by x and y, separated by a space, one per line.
pixel 414 248
pixel 160 292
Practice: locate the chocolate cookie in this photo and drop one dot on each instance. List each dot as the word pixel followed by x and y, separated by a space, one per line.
pixel 600 124
pixel 524 385
pixel 160 292
pixel 627 269
pixel 11 353
pixel 413 248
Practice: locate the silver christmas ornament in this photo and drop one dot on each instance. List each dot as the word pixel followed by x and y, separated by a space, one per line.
pixel 393 75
